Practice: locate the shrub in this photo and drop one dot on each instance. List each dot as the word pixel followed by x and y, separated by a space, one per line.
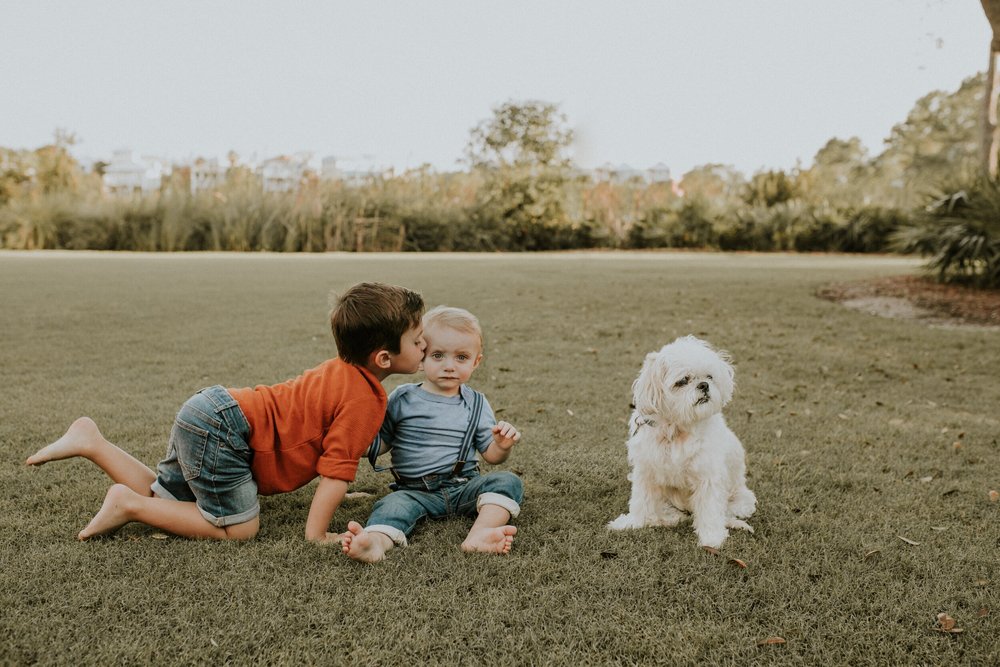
pixel 689 224
pixel 960 232
pixel 870 229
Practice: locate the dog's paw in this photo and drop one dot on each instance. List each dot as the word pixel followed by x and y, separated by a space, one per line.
pixel 744 504
pixel 712 538
pixel 623 522
pixel 737 523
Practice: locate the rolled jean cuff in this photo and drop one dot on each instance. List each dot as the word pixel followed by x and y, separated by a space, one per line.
pixel 490 498
pixel 232 519
pixel 218 521
pixel 161 492
pixel 394 534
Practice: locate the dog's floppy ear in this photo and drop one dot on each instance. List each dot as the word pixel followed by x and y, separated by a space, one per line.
pixel 648 389
pixel 727 380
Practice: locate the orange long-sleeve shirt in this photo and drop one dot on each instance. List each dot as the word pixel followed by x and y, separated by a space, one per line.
pixel 319 423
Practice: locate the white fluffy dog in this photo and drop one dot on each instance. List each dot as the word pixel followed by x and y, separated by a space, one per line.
pixel 683 456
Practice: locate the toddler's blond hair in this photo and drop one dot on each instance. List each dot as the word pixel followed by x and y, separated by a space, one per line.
pixel 458 319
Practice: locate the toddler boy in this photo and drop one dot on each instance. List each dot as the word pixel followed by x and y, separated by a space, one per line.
pixel 425 428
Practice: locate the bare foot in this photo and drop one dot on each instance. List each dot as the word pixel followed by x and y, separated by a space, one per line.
pixel 80 438
pixel 490 540
pixel 113 514
pixel 362 546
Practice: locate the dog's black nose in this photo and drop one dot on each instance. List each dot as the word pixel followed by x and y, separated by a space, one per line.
pixel 703 386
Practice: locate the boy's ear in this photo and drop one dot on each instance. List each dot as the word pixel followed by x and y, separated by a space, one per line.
pixel 479 359
pixel 381 359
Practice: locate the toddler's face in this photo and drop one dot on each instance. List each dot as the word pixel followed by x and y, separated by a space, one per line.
pixel 449 359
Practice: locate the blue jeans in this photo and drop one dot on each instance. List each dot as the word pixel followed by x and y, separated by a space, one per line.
pixel 397 514
pixel 208 459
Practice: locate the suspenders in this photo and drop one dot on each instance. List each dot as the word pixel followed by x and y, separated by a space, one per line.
pixel 470 434
pixel 468 440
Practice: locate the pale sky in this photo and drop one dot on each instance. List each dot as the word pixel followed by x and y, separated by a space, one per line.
pixel 750 83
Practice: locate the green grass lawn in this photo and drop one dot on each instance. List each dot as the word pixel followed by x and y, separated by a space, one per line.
pixel 858 430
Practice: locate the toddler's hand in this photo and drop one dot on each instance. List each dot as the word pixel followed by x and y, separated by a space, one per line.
pixel 505 435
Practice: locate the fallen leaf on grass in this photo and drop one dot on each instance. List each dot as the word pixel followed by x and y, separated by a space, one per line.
pixel 771 641
pixel 873 552
pixel 929 478
pixel 735 561
pixel 939 528
pixel 909 541
pixel 569 412
pixel 994 495
pixel 357 494
pixel 982 613
pixel 946 623
pixel 159 536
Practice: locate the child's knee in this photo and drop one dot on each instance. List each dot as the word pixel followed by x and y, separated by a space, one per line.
pixel 505 483
pixel 243 531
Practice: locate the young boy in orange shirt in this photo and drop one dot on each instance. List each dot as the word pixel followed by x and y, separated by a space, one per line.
pixel 228 445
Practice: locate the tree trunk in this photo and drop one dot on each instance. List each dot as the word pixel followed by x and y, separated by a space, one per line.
pixel 991 128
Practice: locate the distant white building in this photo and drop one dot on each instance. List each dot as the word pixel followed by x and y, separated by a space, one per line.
pixel 207 175
pixel 357 171
pixel 129 174
pixel 658 173
pixel 329 171
pixel 284 173
pixel 623 173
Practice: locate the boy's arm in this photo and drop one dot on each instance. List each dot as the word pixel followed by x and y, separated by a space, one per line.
pixel 505 436
pixel 329 494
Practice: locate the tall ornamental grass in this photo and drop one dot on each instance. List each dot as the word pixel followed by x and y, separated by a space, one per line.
pixel 439 212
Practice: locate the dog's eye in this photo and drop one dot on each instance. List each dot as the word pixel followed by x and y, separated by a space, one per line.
pixel 683 381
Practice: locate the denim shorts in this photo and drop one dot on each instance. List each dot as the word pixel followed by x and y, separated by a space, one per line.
pixel 397 514
pixel 208 459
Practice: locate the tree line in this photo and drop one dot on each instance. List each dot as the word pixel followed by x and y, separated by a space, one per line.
pixel 521 191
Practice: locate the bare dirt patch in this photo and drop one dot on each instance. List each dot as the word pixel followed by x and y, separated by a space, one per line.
pixel 919 298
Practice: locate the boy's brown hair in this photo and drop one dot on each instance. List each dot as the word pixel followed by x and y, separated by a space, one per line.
pixel 373 316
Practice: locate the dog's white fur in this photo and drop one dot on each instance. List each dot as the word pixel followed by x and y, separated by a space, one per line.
pixel 683 456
